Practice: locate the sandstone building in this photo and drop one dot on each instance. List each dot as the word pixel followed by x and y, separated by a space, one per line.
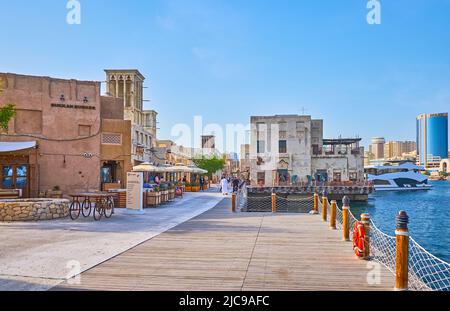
pixel 290 149
pixel 65 136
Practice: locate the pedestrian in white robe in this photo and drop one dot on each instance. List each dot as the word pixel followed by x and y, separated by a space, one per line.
pixel 224 185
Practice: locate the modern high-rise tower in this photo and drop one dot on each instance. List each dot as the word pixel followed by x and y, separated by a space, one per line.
pixel 432 138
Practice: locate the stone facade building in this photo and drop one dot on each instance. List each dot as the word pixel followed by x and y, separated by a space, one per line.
pixel 244 162
pixel 289 149
pixel 129 85
pixel 60 120
pixel 115 144
pixel 64 136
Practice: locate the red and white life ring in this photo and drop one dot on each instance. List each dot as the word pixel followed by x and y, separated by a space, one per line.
pixel 359 239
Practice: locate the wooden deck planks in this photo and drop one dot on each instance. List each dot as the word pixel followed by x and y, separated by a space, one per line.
pixel 219 250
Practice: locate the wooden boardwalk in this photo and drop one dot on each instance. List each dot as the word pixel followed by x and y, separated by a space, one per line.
pixel 219 250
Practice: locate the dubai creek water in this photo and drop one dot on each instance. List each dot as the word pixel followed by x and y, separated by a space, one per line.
pixel 429 215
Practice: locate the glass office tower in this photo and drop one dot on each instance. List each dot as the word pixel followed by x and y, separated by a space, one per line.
pixel 432 138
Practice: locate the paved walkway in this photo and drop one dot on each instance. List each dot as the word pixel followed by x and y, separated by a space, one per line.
pixel 40 255
pixel 219 250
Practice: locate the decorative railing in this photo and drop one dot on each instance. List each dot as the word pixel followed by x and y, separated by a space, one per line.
pixel 425 271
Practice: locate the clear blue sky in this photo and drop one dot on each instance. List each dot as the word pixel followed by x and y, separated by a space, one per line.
pixel 229 59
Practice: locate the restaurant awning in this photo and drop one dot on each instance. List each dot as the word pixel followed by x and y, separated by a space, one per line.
pixel 16 146
pixel 179 168
pixel 148 167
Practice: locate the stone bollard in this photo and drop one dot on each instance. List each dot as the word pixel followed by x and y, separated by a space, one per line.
pixel 233 202
pixel 324 208
pixel 365 219
pixel 274 202
pixel 402 252
pixel 345 218
pixel 333 215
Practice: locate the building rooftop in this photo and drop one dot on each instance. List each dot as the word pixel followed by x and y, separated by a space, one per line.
pixel 49 78
pixel 341 141
pixel 125 71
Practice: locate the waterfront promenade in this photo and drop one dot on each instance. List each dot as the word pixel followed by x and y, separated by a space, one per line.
pixel 40 255
pixel 219 250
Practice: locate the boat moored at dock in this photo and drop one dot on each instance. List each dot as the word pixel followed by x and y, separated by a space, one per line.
pixel 403 177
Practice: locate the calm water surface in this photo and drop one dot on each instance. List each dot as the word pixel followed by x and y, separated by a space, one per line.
pixel 429 215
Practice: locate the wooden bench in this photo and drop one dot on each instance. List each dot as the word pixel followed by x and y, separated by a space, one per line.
pixel 6 194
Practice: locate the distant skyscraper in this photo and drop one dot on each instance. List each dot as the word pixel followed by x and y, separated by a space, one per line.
pixel 377 147
pixel 432 138
pixel 396 149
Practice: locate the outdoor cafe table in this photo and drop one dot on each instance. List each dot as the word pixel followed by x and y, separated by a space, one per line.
pixel 100 203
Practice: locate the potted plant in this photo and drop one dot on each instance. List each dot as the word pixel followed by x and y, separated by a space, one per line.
pixel 171 191
pixel 188 187
pixel 56 193
pixel 195 187
pixel 164 192
pixel 153 197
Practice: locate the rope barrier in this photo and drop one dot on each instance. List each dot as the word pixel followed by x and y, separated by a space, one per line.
pixel 426 271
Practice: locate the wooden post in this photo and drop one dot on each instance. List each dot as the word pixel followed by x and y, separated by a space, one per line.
pixel 345 218
pixel 365 219
pixel 333 215
pixel 274 202
pixel 233 202
pixel 402 253
pixel 316 204
pixel 324 208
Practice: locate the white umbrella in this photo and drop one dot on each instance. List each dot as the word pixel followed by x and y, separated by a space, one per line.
pixel 148 167
pixel 197 170
pixel 179 168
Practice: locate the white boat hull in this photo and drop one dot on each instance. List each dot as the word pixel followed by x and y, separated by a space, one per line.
pixel 400 181
pixel 428 187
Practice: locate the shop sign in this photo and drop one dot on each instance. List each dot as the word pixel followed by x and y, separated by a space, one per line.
pixel 70 106
pixel 135 188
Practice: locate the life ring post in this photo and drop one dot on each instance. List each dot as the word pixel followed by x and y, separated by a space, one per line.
pixel 345 218
pixel 324 208
pixel 333 215
pixel 402 252
pixel 365 219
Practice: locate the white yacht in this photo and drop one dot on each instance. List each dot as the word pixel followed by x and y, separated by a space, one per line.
pixel 403 177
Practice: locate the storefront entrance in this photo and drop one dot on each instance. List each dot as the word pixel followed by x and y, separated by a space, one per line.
pixel 112 175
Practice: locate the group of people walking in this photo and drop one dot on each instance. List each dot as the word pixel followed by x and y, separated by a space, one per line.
pixel 227 183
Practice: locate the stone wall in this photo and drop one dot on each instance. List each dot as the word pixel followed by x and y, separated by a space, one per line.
pixel 33 209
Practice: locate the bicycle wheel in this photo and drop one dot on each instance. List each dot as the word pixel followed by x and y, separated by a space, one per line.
pixel 109 208
pixel 75 210
pixel 86 208
pixel 98 211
